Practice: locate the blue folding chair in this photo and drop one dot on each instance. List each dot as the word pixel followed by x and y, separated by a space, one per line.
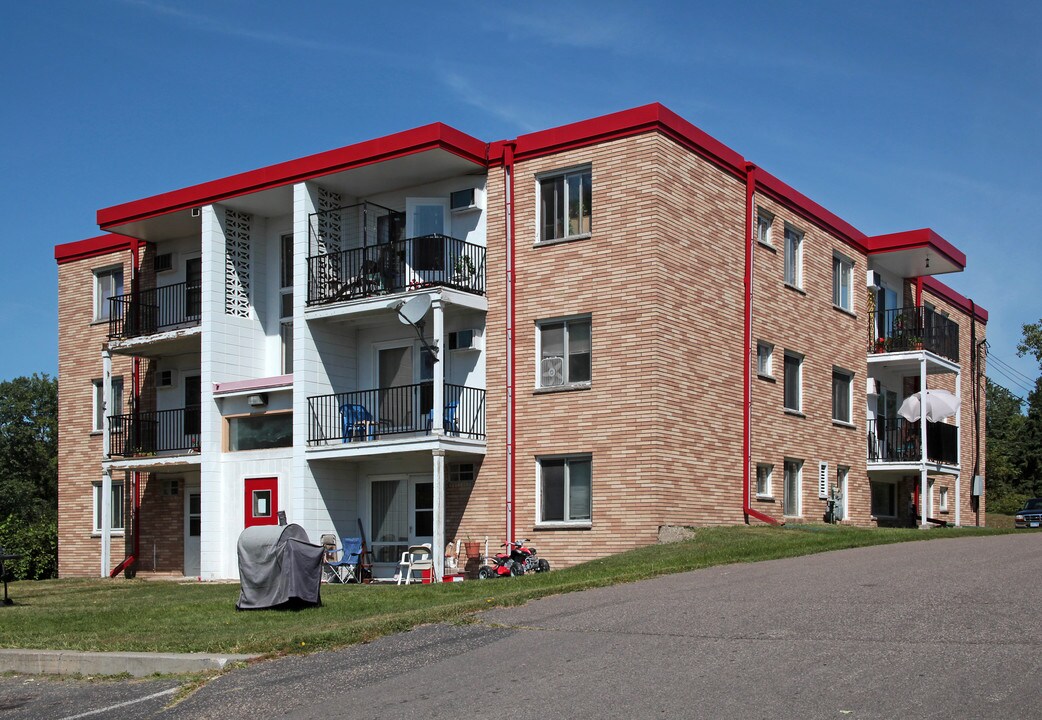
pixel 449 419
pixel 348 567
pixel 356 423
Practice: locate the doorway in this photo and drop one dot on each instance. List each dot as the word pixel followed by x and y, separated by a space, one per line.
pixel 401 514
pixel 192 530
pixel 261 501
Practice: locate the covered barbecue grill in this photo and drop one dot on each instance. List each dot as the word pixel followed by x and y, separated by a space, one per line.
pixel 278 568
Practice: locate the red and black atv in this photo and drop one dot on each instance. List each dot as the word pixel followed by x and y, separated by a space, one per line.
pixel 516 560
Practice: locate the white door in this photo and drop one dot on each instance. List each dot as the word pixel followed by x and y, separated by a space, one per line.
pixel 401 514
pixel 193 525
pixel 426 226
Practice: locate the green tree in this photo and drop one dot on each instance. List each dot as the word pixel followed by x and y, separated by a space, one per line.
pixel 1031 437
pixel 1004 430
pixel 29 448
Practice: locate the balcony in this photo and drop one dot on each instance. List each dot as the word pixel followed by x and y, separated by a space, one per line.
pixel 370 415
pixel 412 264
pixel 912 329
pixel 897 441
pixel 152 433
pixel 155 310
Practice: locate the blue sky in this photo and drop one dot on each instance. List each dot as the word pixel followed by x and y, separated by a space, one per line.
pixel 894 115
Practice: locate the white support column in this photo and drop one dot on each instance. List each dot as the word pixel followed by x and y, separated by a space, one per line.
pixel 958 452
pixel 439 512
pixel 923 486
pixel 958 500
pixel 106 474
pixel 438 413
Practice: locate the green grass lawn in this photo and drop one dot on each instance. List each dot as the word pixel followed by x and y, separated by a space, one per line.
pixel 145 615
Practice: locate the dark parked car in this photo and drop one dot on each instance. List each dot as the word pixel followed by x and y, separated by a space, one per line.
pixel 1029 516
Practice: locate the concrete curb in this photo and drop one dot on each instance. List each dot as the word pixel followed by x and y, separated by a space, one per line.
pixel 137 664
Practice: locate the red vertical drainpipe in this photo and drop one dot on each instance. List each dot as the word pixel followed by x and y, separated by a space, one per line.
pixel 747 398
pixel 919 292
pixel 511 414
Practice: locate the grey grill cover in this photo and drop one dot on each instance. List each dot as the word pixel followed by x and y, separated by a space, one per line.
pixel 278 567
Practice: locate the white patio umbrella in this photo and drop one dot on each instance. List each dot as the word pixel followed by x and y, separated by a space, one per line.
pixel 940 404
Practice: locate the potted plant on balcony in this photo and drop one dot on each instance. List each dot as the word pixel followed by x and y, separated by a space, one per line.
pixel 463 270
pixel 881 344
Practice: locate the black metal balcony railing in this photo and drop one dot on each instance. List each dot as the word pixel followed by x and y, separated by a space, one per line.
pixel 913 328
pixel 154 310
pixel 414 263
pixel 371 414
pixel 146 433
pixel 898 440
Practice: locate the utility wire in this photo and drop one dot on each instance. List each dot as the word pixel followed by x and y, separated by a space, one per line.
pixel 996 369
pixel 1009 367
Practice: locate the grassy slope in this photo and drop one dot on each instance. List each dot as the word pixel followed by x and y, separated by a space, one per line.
pixel 137 615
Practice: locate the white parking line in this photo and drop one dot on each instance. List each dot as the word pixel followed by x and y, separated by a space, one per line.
pixel 171 691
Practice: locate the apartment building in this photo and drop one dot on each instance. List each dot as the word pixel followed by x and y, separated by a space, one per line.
pixel 577 336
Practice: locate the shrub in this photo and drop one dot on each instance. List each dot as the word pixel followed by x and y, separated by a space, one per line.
pixel 1007 504
pixel 36 542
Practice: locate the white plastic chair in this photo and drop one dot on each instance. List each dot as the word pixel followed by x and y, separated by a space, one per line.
pixel 416 558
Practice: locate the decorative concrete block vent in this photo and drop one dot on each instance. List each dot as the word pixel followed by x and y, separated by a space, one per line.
pixel 674 533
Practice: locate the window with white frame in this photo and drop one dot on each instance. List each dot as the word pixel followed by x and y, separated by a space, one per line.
pixel 108 283
pixel 764 471
pixel 764 223
pixel 793 487
pixel 564 352
pixel 115 506
pixel 286 302
pixel 842 386
pixel 565 490
pixel 764 359
pixel 114 406
pixel 793 257
pixel 884 499
pixel 942 499
pixel 793 382
pixel 565 204
pixel 842 282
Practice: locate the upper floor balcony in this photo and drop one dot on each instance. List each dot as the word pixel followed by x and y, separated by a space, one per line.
pixel 160 432
pixel 913 329
pixel 896 441
pixel 404 411
pixel 360 251
pixel 155 310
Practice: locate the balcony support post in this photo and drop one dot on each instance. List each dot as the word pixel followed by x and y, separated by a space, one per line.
pixel 439 512
pixel 438 411
pixel 923 483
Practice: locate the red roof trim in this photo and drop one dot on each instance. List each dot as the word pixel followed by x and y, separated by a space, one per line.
pixel 911 239
pixel 944 292
pixel 91 247
pixel 427 137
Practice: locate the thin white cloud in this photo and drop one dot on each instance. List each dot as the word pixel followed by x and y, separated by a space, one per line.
pixel 466 92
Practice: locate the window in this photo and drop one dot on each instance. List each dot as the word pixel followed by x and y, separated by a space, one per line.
pixel 841 402
pixel 565 353
pixel 763 480
pixel 116 507
pixel 842 278
pixel 884 499
pixel 286 303
pixel 793 257
pixel 943 499
pixel 764 222
pixel 793 382
pixel 461 472
pixel 565 490
pixel 260 432
pixel 101 408
pixel 793 484
pixel 108 283
pixel 764 359
pixel 565 205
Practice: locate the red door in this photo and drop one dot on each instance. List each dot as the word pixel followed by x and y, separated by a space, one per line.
pixel 262 501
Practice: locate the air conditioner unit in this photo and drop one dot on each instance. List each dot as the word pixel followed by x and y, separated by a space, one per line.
pixel 467 200
pixel 872 386
pixel 166 378
pixel 465 340
pixel 164 262
pixel 551 372
pixel 874 279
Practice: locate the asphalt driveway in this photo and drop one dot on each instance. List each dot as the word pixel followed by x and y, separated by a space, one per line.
pixel 941 629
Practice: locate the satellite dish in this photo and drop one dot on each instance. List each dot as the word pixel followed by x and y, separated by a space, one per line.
pixel 411 311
